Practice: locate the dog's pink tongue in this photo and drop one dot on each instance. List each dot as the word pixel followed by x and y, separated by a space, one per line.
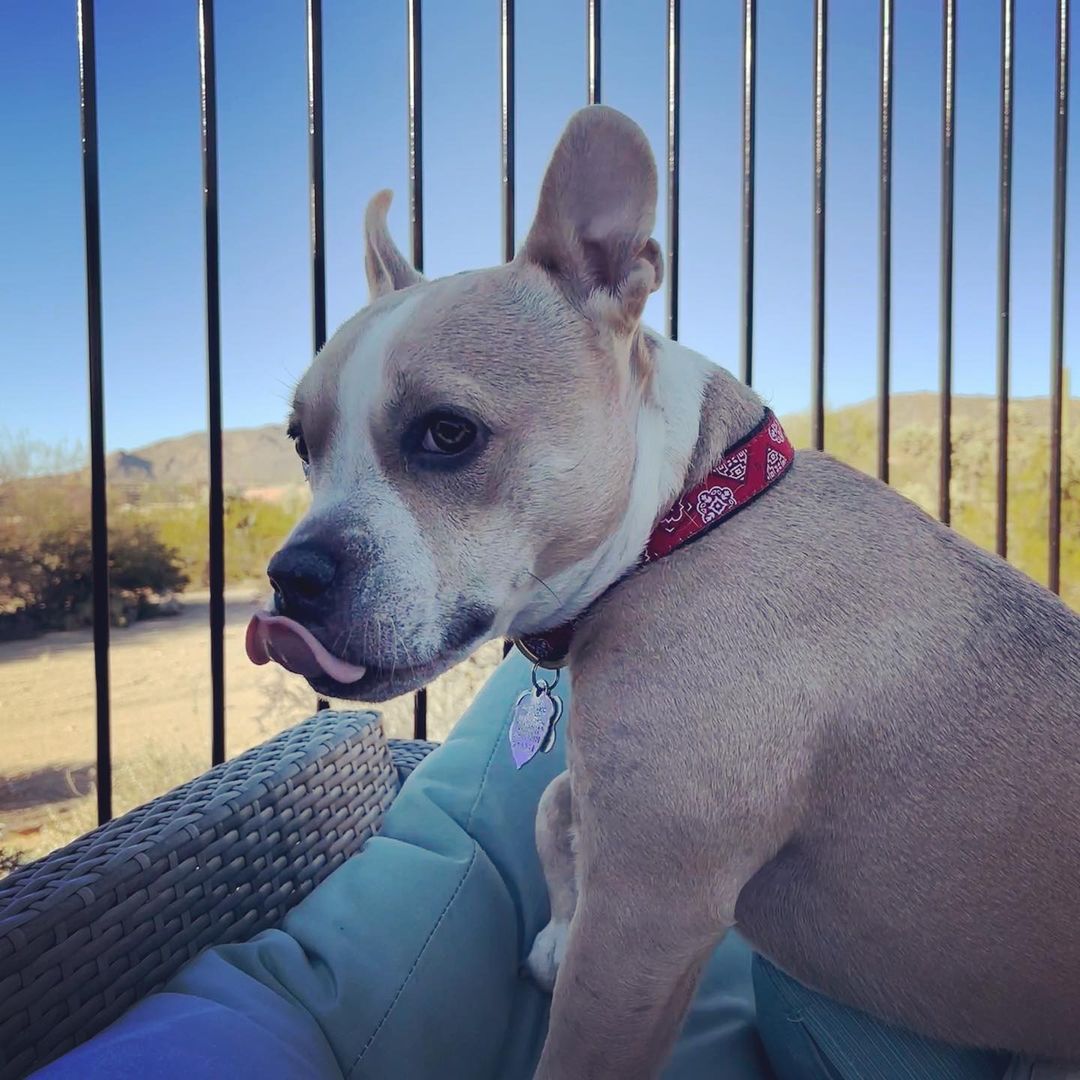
pixel 295 648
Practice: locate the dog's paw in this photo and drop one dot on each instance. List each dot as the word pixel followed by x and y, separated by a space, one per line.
pixel 547 954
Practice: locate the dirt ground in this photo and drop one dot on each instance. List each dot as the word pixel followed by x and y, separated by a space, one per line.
pixel 160 693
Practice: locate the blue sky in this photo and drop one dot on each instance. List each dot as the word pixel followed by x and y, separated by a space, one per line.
pixel 152 211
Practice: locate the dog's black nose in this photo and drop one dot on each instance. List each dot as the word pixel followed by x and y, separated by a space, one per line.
pixel 300 574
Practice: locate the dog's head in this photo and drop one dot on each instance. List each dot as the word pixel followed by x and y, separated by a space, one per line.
pixel 471 442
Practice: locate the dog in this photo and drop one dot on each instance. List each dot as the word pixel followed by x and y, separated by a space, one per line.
pixel 829 721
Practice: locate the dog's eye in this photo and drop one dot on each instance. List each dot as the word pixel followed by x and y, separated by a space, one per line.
pixel 447 434
pixel 301 448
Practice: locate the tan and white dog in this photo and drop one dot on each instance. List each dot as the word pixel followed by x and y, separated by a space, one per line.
pixel 830 722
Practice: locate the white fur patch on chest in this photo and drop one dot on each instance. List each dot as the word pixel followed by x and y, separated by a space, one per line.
pixel 668 427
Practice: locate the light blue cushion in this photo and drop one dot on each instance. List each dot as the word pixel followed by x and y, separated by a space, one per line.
pixel 405 962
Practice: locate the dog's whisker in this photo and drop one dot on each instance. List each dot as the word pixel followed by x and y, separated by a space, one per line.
pixel 541 581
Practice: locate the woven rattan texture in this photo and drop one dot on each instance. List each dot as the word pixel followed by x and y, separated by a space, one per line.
pixel 87 931
pixel 408 753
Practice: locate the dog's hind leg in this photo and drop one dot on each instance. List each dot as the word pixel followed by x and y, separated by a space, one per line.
pixel 555 844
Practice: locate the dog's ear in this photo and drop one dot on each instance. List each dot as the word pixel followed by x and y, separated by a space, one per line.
pixel 594 222
pixel 387 269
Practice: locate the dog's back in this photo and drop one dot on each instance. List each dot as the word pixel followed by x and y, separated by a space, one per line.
pixel 940 850
pixel 933 870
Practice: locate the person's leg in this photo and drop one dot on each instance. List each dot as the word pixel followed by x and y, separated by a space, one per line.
pixel 809 1037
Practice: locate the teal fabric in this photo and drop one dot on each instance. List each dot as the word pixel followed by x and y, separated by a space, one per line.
pixel 409 955
pixel 811 1037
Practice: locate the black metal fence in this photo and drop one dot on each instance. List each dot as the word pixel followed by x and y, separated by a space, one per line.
pixel 504 9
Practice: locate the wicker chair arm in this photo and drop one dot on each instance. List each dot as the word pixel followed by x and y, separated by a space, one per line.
pixel 93 927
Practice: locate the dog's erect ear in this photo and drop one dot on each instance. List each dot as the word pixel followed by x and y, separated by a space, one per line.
pixel 593 226
pixel 387 269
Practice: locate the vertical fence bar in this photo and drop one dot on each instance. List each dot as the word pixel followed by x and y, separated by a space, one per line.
pixel 216 495
pixel 99 522
pixel 416 217
pixel 749 105
pixel 885 243
pixel 817 370
pixel 592 57
pixel 316 178
pixel 1004 276
pixel 316 188
pixel 674 56
pixel 948 119
pixel 416 133
pixel 1057 339
pixel 506 37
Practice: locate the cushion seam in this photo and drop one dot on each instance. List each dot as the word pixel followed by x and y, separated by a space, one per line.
pixel 409 974
pixel 483 780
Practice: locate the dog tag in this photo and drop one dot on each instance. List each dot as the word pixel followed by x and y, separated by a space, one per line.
pixel 532 723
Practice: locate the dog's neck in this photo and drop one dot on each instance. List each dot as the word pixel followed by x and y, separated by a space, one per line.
pixel 691 413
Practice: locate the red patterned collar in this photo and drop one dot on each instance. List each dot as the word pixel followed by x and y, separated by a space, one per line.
pixel 745 471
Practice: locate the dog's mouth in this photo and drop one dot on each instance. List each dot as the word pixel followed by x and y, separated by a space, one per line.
pixel 286 642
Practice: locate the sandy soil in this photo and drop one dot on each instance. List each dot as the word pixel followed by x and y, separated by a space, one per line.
pixel 160 692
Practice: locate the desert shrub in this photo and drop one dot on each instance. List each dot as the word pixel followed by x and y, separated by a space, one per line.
pixel 141 561
pixel 10 861
pixel 158 539
pixel 254 530
pixel 46 562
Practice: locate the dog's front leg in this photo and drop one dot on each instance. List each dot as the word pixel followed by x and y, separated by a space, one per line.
pixel 631 968
pixel 555 845
pixel 665 839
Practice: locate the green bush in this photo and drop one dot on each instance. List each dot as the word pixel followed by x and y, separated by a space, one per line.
pixel 254 530
pixel 158 544
pixel 46 562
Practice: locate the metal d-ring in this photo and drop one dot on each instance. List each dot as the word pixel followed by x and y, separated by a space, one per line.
pixel 542 686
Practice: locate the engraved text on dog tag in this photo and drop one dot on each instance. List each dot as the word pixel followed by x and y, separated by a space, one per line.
pixel 532 724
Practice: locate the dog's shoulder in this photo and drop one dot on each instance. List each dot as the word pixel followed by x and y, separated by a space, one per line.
pixel 829 579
